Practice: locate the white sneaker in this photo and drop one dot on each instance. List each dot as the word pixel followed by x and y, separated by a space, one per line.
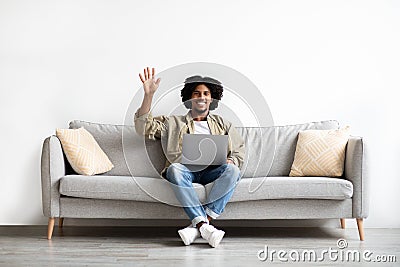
pixel 189 234
pixel 211 234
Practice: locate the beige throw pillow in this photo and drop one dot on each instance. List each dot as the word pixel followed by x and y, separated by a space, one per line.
pixel 320 153
pixel 82 151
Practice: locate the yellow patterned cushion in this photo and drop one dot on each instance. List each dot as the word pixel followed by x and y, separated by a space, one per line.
pixel 320 153
pixel 82 151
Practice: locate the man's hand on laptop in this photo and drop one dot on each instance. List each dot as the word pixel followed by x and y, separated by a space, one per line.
pixel 229 161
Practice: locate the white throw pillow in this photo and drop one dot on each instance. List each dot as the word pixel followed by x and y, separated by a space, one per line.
pixel 320 153
pixel 83 152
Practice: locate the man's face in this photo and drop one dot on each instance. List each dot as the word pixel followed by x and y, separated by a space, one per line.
pixel 201 99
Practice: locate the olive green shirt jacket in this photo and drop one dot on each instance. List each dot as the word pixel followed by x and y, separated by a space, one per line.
pixel 170 130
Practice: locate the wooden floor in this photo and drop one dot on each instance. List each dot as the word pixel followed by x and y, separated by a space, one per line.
pixel 138 246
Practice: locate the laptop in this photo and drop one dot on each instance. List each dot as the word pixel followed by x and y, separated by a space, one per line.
pixel 204 149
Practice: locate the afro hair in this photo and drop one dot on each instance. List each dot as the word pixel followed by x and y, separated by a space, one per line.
pixel 213 85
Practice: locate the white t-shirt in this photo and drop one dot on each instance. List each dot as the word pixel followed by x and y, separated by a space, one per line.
pixel 201 127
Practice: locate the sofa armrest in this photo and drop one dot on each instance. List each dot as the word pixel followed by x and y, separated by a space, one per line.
pixel 355 170
pixel 52 169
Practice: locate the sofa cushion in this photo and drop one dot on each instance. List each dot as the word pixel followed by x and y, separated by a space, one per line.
pixel 122 188
pixel 290 188
pixel 154 190
pixel 320 153
pixel 83 152
pixel 276 145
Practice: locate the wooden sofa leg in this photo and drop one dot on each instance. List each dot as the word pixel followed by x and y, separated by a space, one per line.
pixel 50 228
pixel 343 223
pixel 360 228
pixel 60 222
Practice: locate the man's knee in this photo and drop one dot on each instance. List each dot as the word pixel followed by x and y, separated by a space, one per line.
pixel 176 173
pixel 233 171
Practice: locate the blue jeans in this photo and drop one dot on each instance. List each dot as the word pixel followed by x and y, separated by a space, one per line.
pixel 225 178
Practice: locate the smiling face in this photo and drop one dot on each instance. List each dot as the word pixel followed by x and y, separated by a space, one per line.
pixel 201 99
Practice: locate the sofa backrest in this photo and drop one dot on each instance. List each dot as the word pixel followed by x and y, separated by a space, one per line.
pixel 269 150
pixel 123 145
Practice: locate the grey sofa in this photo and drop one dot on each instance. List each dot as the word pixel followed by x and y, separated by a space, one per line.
pixel 135 190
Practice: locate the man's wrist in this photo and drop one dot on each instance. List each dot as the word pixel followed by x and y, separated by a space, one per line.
pixel 149 95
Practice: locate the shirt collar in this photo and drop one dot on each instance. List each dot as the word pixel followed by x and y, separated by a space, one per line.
pixel 189 117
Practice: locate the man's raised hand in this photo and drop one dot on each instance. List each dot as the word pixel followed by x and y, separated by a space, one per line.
pixel 150 85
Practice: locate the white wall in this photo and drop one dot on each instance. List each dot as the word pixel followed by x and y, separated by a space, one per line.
pixel 313 60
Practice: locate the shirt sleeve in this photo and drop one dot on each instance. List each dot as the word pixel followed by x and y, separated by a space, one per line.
pixel 149 126
pixel 237 150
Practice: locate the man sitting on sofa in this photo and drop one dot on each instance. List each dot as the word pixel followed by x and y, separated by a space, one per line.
pixel 199 95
